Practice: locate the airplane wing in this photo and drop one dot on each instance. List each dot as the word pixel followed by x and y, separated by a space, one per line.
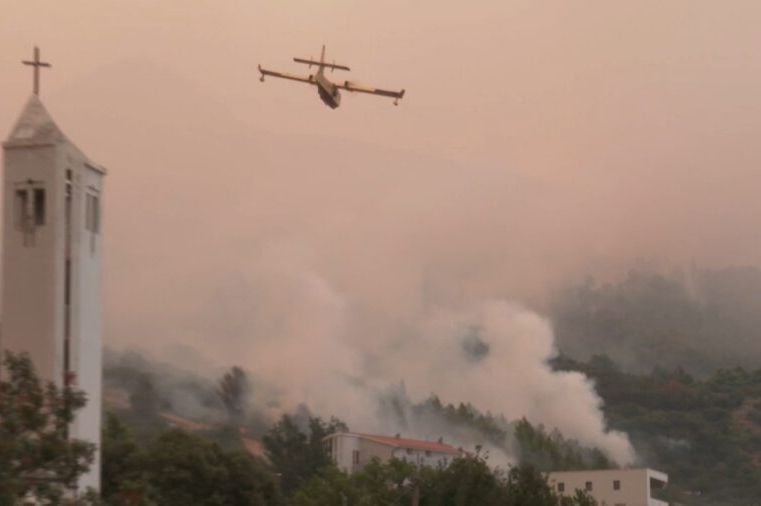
pixel 283 75
pixel 350 86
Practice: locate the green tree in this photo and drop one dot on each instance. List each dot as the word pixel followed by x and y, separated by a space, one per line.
pixel 296 455
pixel 38 459
pixel 233 390
pixel 179 468
pixel 467 480
pixel 328 486
pixel 377 484
pixel 144 400
pixel 145 405
pixel 183 469
pixel 580 498
pixel 526 485
pixel 123 479
pixel 552 452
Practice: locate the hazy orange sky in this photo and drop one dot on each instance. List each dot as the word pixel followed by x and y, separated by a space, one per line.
pixel 538 140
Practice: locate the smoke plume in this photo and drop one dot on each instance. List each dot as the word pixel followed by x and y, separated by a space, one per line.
pixel 332 281
pixel 312 344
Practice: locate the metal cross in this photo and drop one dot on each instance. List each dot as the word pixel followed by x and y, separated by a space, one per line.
pixel 36 63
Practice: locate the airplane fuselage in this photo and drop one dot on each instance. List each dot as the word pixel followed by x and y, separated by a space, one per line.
pixel 328 91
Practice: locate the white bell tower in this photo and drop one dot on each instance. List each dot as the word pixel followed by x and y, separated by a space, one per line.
pixel 52 250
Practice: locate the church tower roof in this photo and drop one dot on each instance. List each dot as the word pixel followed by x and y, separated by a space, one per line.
pixel 35 126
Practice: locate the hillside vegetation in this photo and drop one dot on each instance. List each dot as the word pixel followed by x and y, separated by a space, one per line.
pixel 698 320
pixel 675 360
pixel 706 434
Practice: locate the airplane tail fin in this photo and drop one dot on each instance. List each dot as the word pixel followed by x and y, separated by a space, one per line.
pixel 321 64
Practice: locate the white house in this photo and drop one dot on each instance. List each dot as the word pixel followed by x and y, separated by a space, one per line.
pixel 612 487
pixel 352 451
pixel 52 250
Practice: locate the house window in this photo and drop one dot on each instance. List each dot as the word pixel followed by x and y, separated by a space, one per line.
pixel 616 485
pixel 428 453
pixel 588 486
pixel 355 457
pixel 561 487
pixel 409 451
pixel 39 206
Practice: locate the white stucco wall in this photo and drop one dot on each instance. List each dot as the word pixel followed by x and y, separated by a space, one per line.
pixel 32 313
pixel 33 283
pixel 422 457
pixel 634 485
pixel 342 446
pixel 86 308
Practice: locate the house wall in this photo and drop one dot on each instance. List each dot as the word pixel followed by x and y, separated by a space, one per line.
pixel 423 457
pixel 634 485
pixel 369 450
pixel 352 452
pixel 341 447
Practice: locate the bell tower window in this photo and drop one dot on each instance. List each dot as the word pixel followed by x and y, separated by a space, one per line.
pixel 29 209
pixel 92 213
pixel 21 205
pixel 39 206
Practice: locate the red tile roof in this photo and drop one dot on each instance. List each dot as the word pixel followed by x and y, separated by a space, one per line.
pixel 415 444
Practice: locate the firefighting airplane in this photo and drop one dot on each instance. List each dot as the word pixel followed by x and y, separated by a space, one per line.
pixel 328 90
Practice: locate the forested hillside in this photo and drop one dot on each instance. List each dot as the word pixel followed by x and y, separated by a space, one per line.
pixel 699 320
pixel 706 434
pixel 229 452
pixel 676 360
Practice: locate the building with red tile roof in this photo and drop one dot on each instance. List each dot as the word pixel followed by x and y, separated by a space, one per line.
pixel 352 451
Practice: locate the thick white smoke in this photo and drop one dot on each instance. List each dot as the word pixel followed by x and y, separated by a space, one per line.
pixel 331 269
pixel 508 374
pixel 314 346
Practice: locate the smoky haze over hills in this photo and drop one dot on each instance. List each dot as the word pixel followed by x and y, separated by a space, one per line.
pixel 537 145
pixel 698 320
